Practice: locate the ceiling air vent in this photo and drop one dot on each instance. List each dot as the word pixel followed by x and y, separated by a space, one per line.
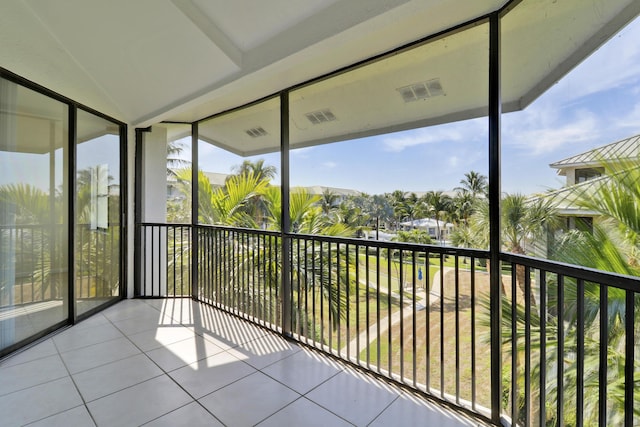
pixel 256 132
pixel 321 116
pixel 422 90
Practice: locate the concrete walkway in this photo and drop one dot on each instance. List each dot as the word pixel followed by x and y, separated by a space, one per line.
pixel 374 332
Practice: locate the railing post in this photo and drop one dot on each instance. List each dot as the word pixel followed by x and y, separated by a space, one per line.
pixel 195 250
pixel 495 110
pixel 285 214
pixel 71 221
pixel 137 215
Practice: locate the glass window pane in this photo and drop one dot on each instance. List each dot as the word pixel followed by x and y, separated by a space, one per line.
pixel 239 165
pixel 97 239
pixel 33 213
pixel 409 128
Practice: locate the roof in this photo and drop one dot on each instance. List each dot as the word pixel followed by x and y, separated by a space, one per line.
pixel 146 61
pixel 426 223
pixel 620 150
pixel 319 189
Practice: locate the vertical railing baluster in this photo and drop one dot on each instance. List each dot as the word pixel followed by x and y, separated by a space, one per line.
pixel 457 325
pixel 560 353
pixel 401 292
pixel 527 345
pixel 314 315
pixel 357 276
pixel 338 296
pixel 604 340
pixel 514 344
pixel 441 273
pixel 427 319
pixel 543 349
pixel 348 301
pixel 298 284
pixel 629 353
pixel 414 320
pixel 389 314
pixel 580 353
pixel 473 331
pixel 367 307
pixel 321 296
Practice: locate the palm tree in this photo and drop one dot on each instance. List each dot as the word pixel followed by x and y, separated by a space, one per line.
pixel 463 206
pixel 257 168
pixel 474 183
pixel 329 201
pixel 438 205
pixel 174 161
pixel 523 222
pixel 353 211
pixel 227 205
pixel 397 201
pixel 611 246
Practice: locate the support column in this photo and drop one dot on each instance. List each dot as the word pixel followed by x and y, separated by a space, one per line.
pixel 495 110
pixel 285 214
pixel 195 248
pixel 154 207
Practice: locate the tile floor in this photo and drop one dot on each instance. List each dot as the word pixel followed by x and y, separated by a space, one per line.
pixel 181 363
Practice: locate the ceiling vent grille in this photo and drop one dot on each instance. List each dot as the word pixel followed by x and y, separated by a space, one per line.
pixel 422 90
pixel 321 116
pixel 256 132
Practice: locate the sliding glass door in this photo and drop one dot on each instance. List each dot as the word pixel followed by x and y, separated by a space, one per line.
pixel 34 202
pixel 98 212
pixel 60 211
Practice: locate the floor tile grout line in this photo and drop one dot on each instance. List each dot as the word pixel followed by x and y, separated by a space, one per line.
pixel 385 408
pixel 73 381
pixel 166 373
pixel 32 386
pixel 310 400
pixel 82 405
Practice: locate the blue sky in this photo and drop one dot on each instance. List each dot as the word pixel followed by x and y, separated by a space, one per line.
pixel 595 104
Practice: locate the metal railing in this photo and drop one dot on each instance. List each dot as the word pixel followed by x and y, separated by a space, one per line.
pixel 420 315
pixel 35 263
pixel 165 253
pixel 570 344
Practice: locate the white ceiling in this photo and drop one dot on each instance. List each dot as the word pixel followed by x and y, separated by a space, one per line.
pixel 144 61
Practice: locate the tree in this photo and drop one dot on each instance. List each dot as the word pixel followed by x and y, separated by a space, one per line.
pixel 257 168
pixel 227 205
pixel 329 202
pixel 474 183
pixel 437 204
pixel 523 222
pixel 174 161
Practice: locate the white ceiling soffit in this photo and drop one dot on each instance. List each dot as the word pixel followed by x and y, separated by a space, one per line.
pixel 416 88
pixel 544 40
pixel 144 61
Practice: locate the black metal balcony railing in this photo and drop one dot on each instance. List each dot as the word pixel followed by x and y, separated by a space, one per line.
pixel 420 315
pixel 36 268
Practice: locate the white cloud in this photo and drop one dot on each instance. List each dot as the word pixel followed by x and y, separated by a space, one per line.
pixel 631 120
pixel 303 153
pixel 615 64
pixel 330 165
pixel 542 130
pixel 452 132
pixel 454 161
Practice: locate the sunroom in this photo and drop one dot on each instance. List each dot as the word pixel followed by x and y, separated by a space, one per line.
pixel 159 170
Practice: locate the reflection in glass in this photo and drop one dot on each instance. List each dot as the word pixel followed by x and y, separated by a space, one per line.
pixel 33 213
pixel 97 240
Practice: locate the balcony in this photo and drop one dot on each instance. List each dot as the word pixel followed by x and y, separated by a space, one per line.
pixel 298 328
pixel 180 362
